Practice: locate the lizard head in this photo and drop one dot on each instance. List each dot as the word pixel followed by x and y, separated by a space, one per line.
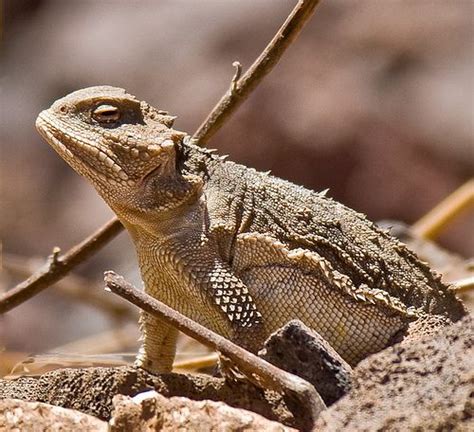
pixel 124 146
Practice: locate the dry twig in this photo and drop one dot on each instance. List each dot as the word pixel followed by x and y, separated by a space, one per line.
pixel 58 266
pixel 202 361
pixel 430 225
pixel 241 88
pixel 73 286
pixel 257 370
pixel 463 285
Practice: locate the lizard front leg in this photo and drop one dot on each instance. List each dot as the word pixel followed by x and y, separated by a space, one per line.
pixel 196 282
pixel 158 347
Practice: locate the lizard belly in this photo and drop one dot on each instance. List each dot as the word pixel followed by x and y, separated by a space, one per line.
pixel 299 284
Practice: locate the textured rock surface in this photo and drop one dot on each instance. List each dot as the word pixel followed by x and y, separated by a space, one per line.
pixel 425 386
pixel 17 415
pixel 303 352
pixel 151 411
pixel 91 391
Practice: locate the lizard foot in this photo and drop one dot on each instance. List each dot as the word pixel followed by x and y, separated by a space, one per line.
pixel 154 366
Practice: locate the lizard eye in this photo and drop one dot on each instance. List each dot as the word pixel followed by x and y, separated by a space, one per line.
pixel 106 114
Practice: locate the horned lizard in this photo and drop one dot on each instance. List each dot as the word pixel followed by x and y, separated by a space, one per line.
pixel 239 251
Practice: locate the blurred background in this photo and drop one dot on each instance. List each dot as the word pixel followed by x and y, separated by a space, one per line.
pixel 374 101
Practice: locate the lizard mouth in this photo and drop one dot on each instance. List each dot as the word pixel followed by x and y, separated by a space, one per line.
pixel 46 131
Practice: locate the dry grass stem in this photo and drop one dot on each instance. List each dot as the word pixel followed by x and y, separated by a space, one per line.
pixel 431 224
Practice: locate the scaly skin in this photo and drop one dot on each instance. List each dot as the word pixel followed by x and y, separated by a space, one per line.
pixel 240 252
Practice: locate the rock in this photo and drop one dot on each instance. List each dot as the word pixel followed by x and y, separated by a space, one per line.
pixel 303 352
pixel 17 415
pixel 91 391
pixel 425 386
pixel 151 411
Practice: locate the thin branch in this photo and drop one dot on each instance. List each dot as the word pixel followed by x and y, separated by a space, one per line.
pixel 430 225
pixel 241 88
pixel 58 266
pixel 73 286
pixel 199 362
pixel 463 285
pixel 257 370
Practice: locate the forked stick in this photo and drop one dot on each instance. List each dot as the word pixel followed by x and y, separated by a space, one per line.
pixel 59 266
